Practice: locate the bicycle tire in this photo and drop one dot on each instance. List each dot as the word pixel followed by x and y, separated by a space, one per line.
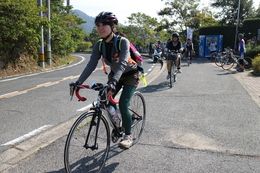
pixel 188 58
pixel 138 110
pixel 173 72
pixel 228 63
pixel 213 56
pixel 219 60
pixel 77 158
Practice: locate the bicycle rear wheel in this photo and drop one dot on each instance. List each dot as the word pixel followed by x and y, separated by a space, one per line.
pixel 213 56
pixel 188 58
pixel 138 111
pixel 82 156
pixel 173 72
pixel 228 63
pixel 188 61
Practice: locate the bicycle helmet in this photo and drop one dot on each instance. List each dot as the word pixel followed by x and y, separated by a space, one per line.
pixel 106 17
pixel 175 35
pixel 240 35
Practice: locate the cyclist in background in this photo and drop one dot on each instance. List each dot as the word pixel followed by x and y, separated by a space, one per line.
pixel 241 50
pixel 174 45
pixel 159 46
pixel 124 73
pixel 189 49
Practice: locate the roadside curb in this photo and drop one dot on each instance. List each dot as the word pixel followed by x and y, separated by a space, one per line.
pixel 17 153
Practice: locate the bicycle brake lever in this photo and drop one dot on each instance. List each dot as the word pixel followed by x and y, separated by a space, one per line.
pixel 72 90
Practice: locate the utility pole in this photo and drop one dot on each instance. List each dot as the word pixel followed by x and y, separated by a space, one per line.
pixel 68 3
pixel 41 49
pixel 238 11
pixel 48 41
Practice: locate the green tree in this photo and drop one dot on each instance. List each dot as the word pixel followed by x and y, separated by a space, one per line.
pixel 141 29
pixel 66 34
pixel 19 28
pixel 178 14
pixel 229 10
pixel 93 36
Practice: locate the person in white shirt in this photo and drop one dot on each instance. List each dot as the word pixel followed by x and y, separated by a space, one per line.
pixel 212 46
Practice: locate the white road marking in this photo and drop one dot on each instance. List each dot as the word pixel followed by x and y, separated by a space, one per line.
pixel 44 84
pixel 85 108
pixel 33 74
pixel 53 83
pixel 8 94
pixel 19 93
pixel 28 135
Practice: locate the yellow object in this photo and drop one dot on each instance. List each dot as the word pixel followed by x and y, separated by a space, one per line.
pixel 41 57
pixel 143 80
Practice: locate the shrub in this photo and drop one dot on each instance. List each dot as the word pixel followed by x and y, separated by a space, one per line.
pixel 252 51
pixel 83 46
pixel 256 65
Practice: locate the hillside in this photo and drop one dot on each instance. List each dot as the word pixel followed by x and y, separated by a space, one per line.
pixel 88 27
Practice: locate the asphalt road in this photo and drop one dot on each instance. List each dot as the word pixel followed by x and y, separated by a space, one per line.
pixel 206 123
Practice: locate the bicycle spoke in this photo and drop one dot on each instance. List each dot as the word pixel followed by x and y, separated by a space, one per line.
pixel 138 111
pixel 81 157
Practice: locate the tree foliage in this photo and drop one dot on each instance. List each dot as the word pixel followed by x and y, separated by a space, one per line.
pixel 19 28
pixel 20 33
pixel 178 14
pixel 141 30
pixel 229 10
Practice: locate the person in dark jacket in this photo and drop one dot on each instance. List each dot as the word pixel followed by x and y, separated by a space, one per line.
pixel 174 45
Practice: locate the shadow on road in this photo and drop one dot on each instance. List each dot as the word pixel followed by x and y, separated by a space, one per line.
pixel 163 86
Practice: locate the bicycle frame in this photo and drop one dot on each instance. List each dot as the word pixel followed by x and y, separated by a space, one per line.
pixel 97 111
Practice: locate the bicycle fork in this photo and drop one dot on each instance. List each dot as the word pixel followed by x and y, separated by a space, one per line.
pixel 98 114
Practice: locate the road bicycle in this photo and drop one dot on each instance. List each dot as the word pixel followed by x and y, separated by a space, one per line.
pixel 220 57
pixel 88 142
pixel 173 68
pixel 230 60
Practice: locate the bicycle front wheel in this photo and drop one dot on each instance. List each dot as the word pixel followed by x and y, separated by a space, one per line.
pixel 173 72
pixel 81 154
pixel 228 63
pixel 213 56
pixel 138 111
pixel 219 60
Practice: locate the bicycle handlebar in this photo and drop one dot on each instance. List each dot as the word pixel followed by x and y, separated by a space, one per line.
pixel 174 51
pixel 97 88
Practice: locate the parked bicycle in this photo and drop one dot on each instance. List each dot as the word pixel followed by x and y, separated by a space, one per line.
pixel 88 142
pixel 213 56
pixel 230 60
pixel 219 59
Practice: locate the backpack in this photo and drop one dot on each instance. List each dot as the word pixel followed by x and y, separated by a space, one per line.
pixel 135 55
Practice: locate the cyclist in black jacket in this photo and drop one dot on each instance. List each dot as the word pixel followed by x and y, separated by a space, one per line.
pixel 189 48
pixel 174 45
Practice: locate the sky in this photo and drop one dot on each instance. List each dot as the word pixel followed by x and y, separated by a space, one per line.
pixel 124 8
